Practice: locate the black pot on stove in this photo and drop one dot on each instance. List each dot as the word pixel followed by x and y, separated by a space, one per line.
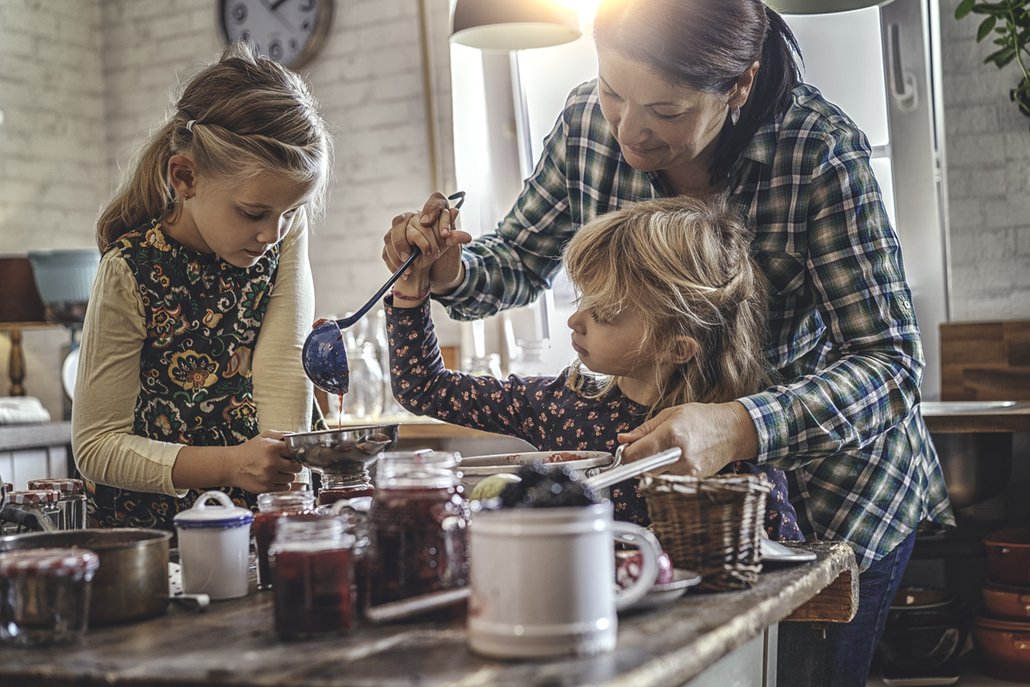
pixel 926 629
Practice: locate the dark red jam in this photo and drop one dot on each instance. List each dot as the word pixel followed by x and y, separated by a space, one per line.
pixel 314 592
pixel 329 496
pixel 419 540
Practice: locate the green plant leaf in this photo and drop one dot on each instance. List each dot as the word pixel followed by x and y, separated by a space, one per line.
pixel 986 26
pixel 964 8
pixel 1000 58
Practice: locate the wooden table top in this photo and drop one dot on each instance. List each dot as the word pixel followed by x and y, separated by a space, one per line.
pixel 233 643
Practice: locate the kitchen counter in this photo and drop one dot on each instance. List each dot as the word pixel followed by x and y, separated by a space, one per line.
pixel 951 417
pixel 233 643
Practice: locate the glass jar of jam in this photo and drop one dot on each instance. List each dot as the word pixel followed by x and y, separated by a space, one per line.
pixel 41 503
pixel 312 567
pixel 44 595
pixel 271 506
pixel 337 486
pixel 418 526
pixel 72 501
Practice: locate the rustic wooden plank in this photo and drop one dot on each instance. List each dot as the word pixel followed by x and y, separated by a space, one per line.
pixel 985 360
pixel 997 383
pixel 233 644
pixel 836 603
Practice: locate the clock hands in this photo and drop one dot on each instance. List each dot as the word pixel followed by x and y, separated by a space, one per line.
pixel 275 5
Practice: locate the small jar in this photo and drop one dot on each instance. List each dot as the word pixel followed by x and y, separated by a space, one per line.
pixel 72 501
pixel 418 526
pixel 312 567
pixel 43 502
pixel 271 506
pixel 44 595
pixel 338 486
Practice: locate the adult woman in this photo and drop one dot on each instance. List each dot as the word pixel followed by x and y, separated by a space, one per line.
pixel 704 96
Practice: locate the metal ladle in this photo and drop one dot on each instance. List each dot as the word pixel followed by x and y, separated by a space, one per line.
pixel 325 354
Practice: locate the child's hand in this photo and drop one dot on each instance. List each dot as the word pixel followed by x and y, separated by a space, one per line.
pixel 433 231
pixel 263 464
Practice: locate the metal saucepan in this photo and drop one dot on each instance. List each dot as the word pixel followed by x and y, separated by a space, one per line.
pixel 132 580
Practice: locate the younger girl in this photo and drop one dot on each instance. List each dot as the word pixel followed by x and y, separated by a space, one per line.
pixel 671 311
pixel 205 249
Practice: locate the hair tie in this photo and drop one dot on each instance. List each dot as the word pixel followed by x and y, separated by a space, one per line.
pixel 189 125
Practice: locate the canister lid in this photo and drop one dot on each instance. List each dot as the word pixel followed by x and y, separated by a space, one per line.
pixel 65 486
pixel 34 497
pixel 51 562
pixel 225 514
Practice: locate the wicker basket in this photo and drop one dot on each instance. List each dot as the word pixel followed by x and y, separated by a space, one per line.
pixel 711 525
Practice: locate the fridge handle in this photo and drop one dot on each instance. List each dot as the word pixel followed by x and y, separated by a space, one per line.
pixel 902 82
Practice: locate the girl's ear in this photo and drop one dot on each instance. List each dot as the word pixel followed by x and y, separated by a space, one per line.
pixel 683 349
pixel 182 176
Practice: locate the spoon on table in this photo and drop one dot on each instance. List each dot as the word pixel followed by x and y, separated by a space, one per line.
pixel 325 354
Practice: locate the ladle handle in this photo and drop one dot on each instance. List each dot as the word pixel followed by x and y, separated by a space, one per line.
pixel 354 317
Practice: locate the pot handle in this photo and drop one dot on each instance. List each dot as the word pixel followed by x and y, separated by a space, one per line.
pixel 650 549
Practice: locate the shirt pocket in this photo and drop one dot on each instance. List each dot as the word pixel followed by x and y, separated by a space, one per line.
pixel 785 272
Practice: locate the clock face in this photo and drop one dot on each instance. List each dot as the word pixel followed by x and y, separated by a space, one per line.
pixel 288 31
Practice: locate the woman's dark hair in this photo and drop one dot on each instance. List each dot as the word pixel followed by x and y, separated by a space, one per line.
pixel 707 45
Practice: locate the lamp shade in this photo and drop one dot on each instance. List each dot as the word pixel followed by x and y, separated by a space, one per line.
pixel 21 301
pixel 513 24
pixel 822 6
pixel 64 279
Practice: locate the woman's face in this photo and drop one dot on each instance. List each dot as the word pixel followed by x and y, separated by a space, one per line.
pixel 659 126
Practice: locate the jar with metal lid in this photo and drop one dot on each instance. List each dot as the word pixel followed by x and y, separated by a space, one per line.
pixel 44 595
pixel 271 506
pixel 418 526
pixel 312 563
pixel 43 503
pixel 72 501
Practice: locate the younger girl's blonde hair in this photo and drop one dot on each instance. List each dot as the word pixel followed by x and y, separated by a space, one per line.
pixel 683 265
pixel 242 116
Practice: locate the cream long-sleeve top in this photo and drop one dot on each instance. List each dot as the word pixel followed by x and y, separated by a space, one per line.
pixel 107 382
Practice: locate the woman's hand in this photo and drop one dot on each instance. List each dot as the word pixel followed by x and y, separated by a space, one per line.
pixel 263 464
pixel 711 435
pixel 435 233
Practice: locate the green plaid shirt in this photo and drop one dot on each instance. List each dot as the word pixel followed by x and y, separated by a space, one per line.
pixel 846 425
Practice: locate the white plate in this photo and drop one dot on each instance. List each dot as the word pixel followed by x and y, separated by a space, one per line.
pixel 670 591
pixel 774 553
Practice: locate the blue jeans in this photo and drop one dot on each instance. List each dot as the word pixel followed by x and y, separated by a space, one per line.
pixel 839 654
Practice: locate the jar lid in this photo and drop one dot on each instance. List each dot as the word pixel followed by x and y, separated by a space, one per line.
pixel 52 562
pixel 226 514
pixel 65 486
pixel 34 497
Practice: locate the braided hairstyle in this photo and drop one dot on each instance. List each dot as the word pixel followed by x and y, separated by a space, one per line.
pixel 683 264
pixel 240 117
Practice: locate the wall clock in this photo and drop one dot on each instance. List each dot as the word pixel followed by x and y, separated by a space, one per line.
pixel 291 32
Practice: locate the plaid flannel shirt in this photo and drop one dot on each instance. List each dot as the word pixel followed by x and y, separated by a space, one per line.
pixel 845 422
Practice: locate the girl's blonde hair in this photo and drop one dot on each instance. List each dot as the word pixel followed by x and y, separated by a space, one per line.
pixel 242 116
pixel 683 264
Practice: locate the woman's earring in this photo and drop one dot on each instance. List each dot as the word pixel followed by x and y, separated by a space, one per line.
pixel 734 115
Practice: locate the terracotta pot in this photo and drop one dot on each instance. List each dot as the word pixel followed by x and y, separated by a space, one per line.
pixel 1008 556
pixel 1003 647
pixel 1002 601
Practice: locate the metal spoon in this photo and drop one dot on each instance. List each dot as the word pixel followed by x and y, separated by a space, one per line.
pixel 325 354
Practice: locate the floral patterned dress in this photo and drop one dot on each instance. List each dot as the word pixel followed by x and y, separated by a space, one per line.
pixel 542 411
pixel 202 318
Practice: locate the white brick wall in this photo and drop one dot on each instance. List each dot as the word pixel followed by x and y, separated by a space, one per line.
pixel 987 144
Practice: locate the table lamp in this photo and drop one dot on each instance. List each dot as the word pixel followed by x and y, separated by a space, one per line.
pixel 21 307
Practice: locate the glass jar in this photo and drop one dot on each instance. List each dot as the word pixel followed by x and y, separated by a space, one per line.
pixel 530 360
pixel 338 486
pixel 72 501
pixel 271 506
pixel 312 562
pixel 42 503
pixel 44 595
pixel 364 399
pixel 418 526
